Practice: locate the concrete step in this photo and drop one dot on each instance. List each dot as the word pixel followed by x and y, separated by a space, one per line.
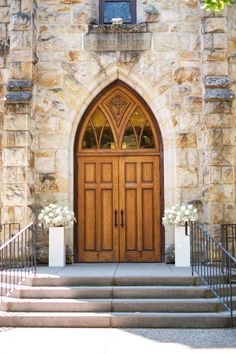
pixel 115 319
pixel 115 305
pixel 41 280
pixel 117 292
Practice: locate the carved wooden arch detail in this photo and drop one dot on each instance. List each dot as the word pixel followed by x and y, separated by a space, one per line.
pixel 119 120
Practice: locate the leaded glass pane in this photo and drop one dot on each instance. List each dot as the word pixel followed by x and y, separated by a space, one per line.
pixel 98 119
pixel 107 141
pixel 147 139
pixel 120 9
pixel 138 119
pixel 89 141
pixel 129 138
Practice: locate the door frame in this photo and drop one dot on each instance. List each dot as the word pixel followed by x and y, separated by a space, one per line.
pixel 77 137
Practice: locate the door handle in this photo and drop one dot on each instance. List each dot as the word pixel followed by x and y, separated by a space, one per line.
pixel 116 213
pixel 122 218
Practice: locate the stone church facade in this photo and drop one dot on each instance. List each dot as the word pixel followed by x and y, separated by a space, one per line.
pixel 58 58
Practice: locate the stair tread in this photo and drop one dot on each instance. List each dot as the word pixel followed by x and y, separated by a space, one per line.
pixel 116 314
pixel 189 300
pixel 109 287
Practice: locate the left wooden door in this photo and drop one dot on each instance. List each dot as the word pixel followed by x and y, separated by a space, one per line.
pixel 98 209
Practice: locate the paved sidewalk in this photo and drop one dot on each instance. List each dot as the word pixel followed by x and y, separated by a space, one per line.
pixel 116 341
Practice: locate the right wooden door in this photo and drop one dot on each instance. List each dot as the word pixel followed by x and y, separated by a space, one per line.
pixel 139 209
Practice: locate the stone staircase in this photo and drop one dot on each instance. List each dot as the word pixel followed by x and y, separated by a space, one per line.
pixel 157 302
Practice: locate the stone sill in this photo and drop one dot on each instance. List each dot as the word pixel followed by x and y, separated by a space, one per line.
pixel 124 28
pixel 110 38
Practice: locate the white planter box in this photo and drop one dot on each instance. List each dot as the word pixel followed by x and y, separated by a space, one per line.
pixel 57 248
pixel 182 247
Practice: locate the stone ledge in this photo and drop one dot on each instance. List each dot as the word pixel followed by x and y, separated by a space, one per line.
pixel 217 81
pixel 219 94
pixel 17 85
pixel 18 96
pixel 112 42
pixel 124 28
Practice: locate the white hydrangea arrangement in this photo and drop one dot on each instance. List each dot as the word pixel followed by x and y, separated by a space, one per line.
pixel 56 216
pixel 180 214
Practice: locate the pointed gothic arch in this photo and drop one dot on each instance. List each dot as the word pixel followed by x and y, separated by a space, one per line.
pixel 117 125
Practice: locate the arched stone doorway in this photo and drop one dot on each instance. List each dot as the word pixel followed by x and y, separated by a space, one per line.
pixel 118 180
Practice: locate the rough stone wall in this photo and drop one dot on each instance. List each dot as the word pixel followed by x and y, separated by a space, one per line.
pixel 216 133
pixel 18 161
pixel 180 60
pixel 4 50
pixel 231 27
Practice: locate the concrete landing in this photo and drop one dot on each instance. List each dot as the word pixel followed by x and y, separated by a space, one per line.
pixel 114 270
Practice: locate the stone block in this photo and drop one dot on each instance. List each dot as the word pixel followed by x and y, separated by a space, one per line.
pixel 19 70
pixel 217 81
pixel 25 56
pixel 4 15
pixel 228 136
pixel 20 156
pixel 17 108
pixel 14 195
pixel 21 40
pixel 49 79
pixel 232 44
pixel 187 74
pixel 3 30
pixel 186 140
pixel 15 85
pixel 18 96
pixel 229 213
pixel 27 6
pixel 171 41
pixel 193 104
pixel 220 41
pixel 217 107
pixel 187 177
pixel 228 174
pixel 221 157
pixel 219 94
pixel 17 139
pixel 215 55
pixel 44 164
pixel 215 175
pixel 218 193
pixel 51 43
pixel 109 42
pixel 215 68
pixel 215 24
pixel 21 21
pixel 15 174
pixel 215 137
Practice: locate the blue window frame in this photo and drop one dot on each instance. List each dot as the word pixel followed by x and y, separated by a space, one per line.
pixel 125 9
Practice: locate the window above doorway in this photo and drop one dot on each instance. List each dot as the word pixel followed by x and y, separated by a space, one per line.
pixel 125 9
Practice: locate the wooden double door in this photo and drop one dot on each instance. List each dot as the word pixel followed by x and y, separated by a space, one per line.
pixel 119 208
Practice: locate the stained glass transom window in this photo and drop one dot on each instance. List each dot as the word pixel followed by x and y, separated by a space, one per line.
pixel 138 132
pixel 98 133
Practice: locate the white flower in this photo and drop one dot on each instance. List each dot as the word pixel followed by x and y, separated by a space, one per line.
pixel 179 214
pixel 56 215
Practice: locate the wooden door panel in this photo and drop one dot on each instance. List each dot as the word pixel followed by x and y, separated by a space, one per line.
pixel 139 195
pixel 147 219
pixel 98 199
pixel 107 219
pixel 131 214
pixel 90 219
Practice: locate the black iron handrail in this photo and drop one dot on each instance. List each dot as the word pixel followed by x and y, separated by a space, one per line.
pixel 214 264
pixel 7 231
pixel 228 238
pixel 17 259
